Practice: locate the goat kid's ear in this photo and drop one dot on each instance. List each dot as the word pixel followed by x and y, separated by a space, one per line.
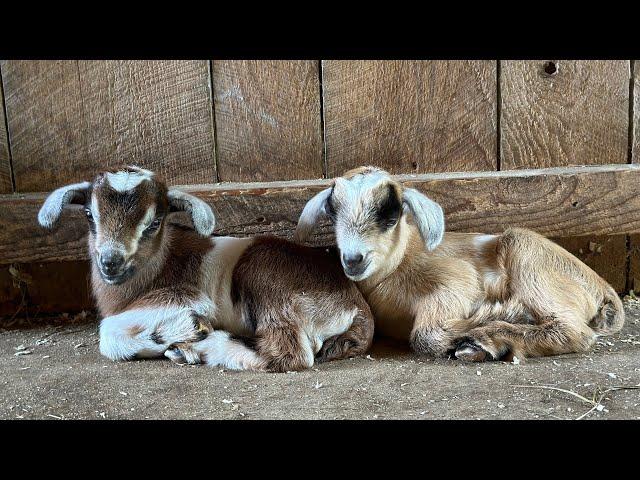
pixel 50 211
pixel 428 216
pixel 201 213
pixel 312 212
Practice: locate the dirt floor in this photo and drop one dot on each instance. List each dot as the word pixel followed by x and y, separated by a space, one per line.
pixel 56 372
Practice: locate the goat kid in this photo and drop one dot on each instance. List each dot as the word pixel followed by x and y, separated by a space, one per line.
pixel 476 296
pixel 244 303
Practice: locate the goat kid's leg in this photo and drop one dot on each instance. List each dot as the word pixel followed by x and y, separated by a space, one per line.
pixel 219 349
pixel 502 340
pixel 437 339
pixel 148 332
pixel 355 341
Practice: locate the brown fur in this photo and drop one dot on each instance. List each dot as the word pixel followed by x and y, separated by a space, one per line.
pixel 287 298
pixel 481 297
pixel 272 280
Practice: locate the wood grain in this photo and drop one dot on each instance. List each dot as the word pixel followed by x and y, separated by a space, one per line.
pixel 268 123
pixel 577 116
pixel 70 119
pixel 410 116
pixel 606 255
pixel 5 163
pixel 556 202
pixel 636 112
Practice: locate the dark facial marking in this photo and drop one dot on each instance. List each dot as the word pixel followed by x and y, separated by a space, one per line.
pixel 331 208
pixel 388 211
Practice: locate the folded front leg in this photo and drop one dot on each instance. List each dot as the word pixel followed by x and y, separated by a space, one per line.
pixel 219 349
pixel 148 332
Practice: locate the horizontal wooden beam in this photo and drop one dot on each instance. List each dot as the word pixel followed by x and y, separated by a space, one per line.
pixel 597 200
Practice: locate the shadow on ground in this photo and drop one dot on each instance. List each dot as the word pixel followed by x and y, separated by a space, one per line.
pixel 64 377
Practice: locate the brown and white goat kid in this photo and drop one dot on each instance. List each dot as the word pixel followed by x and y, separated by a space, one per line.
pixel 476 296
pixel 165 289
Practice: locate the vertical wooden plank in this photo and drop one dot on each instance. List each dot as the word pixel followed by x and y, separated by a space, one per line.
pixel 635 144
pixel 5 164
pixel 267 117
pixel 410 116
pixel 564 112
pixel 70 119
pixel 634 240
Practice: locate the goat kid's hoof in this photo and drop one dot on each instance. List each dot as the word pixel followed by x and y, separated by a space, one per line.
pixel 182 355
pixel 202 330
pixel 470 352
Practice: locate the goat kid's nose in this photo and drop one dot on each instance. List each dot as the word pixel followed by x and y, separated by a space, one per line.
pixel 111 262
pixel 352 260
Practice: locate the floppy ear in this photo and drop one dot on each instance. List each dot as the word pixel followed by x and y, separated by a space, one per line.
pixel 312 212
pixel 202 216
pixel 52 208
pixel 428 216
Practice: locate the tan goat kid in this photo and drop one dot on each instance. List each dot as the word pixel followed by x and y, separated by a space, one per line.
pixel 475 296
pixel 162 288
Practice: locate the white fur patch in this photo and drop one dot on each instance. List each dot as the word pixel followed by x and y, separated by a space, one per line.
pixel 142 226
pixel 126 181
pixel 202 215
pixel 310 215
pixel 52 208
pixel 173 323
pixel 220 350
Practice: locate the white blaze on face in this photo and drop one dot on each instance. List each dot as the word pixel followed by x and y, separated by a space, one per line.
pixel 94 210
pixel 142 226
pixel 126 181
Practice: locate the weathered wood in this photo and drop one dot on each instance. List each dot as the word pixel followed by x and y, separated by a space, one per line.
pixel 5 164
pixel 636 112
pixel 70 119
pixel 50 288
pixel 11 295
pixel 576 116
pixel 606 255
pixel 556 202
pixel 634 262
pixel 60 286
pixel 410 116
pixel 267 120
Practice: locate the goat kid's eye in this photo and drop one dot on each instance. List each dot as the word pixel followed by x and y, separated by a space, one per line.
pixel 88 214
pixel 154 225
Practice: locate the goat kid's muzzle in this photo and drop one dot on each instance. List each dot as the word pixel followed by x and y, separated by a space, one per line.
pixel 354 265
pixel 113 267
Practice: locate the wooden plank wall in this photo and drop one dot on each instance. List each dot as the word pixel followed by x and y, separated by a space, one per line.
pixel 560 113
pixel 200 122
pixel 69 119
pixel 5 163
pixel 268 124
pixel 410 116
